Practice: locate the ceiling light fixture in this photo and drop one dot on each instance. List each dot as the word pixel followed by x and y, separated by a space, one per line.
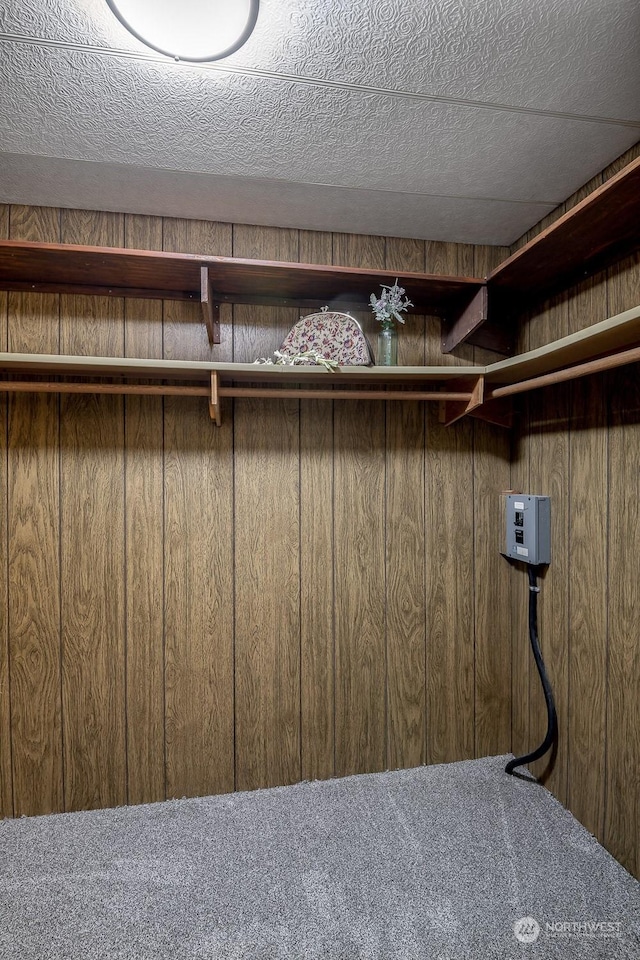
pixel 194 30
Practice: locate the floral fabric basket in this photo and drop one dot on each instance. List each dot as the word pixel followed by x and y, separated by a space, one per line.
pixel 335 336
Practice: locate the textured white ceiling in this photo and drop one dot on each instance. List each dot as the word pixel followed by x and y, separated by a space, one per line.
pixel 449 119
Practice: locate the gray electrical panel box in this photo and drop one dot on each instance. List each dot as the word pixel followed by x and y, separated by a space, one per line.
pixel 527 535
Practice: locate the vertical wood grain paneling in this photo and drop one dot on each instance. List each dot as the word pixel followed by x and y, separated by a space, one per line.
pixel 317 590
pixel 492 715
pixel 198 601
pixel 449 545
pixel 404 541
pixel 267 547
pixel 582 442
pixel 622 798
pixel 317 675
pixel 92 592
pixel 405 586
pixel 450 607
pixel 622 804
pixel 34 546
pixel 521 657
pixel 549 426
pixel 198 575
pixel 549 476
pixel 491 476
pixel 6 781
pixel 144 544
pixel 34 609
pixel 359 557
pixel 588 455
pixel 355 499
pixel 92 546
pixel 267 594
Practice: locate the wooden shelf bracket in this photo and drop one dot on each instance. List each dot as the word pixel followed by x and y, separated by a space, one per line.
pixel 469 319
pixel 472 325
pixel 450 411
pixel 210 307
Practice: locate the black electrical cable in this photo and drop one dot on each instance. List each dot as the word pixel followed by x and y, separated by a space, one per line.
pixel 552 720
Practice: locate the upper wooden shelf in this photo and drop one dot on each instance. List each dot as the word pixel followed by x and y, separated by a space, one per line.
pixel 116 272
pixel 603 227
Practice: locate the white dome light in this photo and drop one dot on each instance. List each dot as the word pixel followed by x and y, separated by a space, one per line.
pixel 196 30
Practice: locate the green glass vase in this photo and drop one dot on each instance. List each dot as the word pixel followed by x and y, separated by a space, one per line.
pixel 388 347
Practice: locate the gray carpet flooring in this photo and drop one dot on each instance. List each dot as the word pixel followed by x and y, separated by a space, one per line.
pixel 436 862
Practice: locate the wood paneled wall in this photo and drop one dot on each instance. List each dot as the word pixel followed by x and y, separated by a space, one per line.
pixel 311 590
pixel 314 589
pixel 580 443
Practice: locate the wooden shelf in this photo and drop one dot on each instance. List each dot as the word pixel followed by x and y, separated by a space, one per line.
pixel 607 345
pixel 55 365
pixel 115 272
pixel 612 343
pixel 609 337
pixel 603 227
pixel 479 391
pixel 218 380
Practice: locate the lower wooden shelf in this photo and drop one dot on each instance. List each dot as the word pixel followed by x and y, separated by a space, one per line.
pixel 218 380
pixel 480 391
